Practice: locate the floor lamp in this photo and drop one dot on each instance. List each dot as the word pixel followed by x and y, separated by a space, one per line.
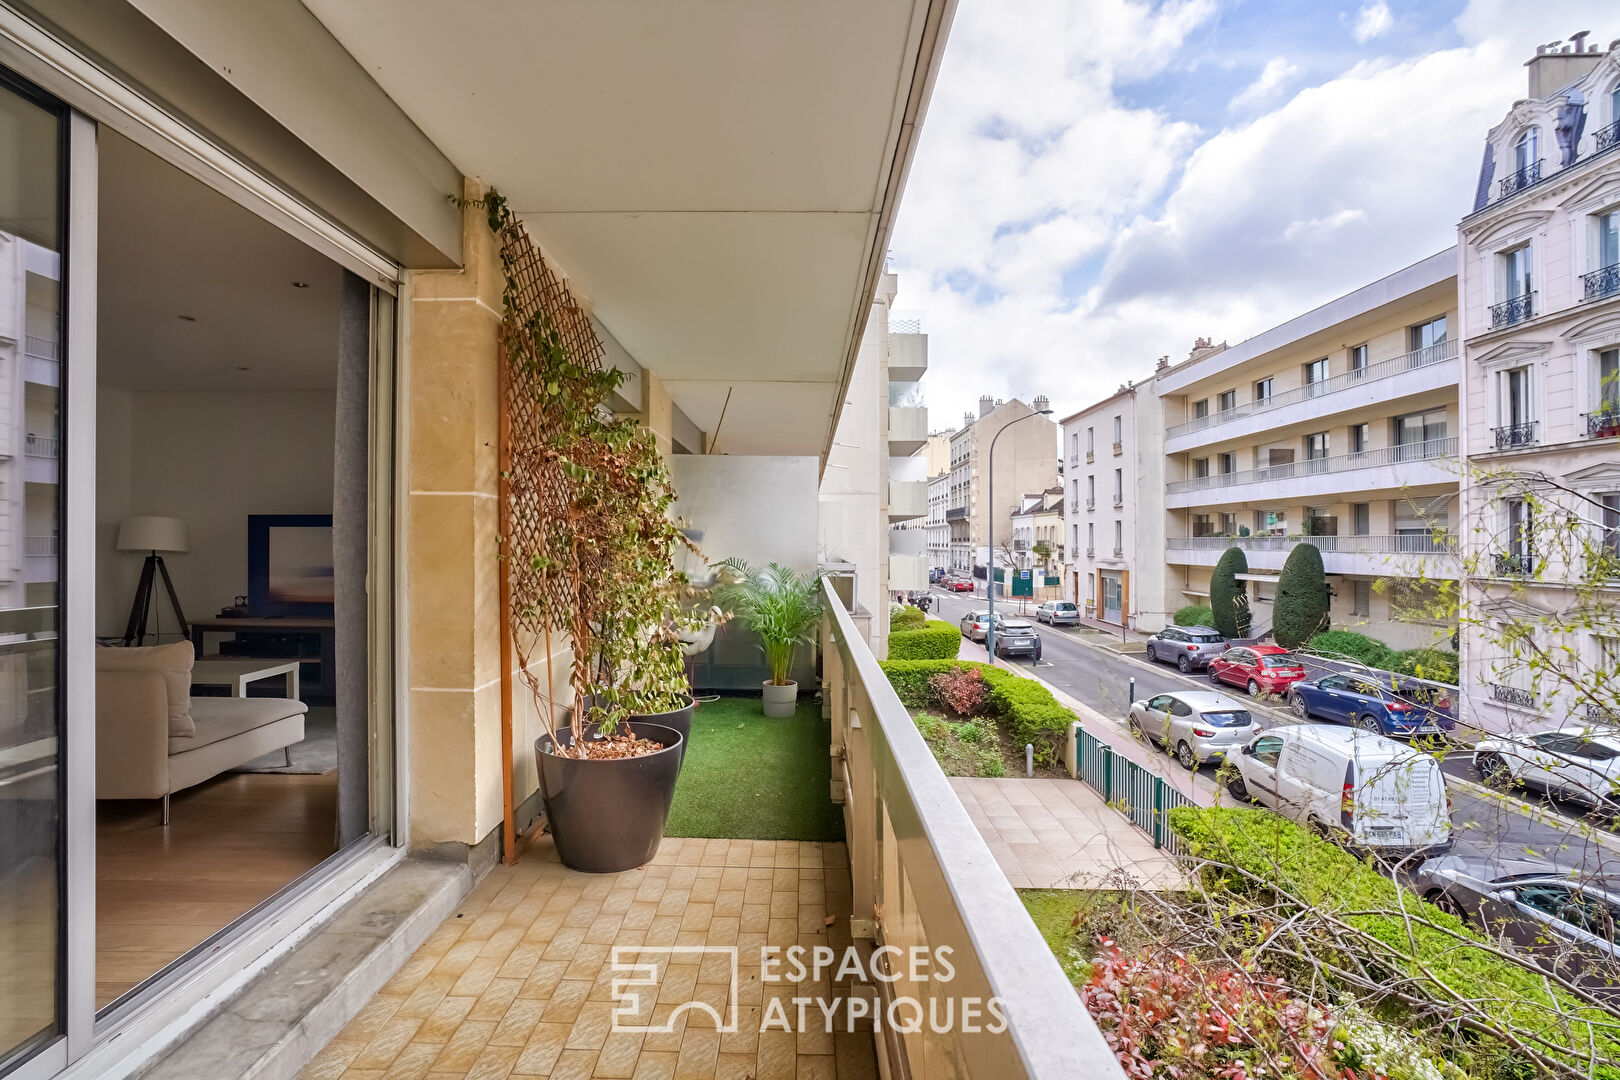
pixel 152 535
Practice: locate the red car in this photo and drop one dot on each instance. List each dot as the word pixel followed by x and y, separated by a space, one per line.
pixel 1268 669
pixel 960 585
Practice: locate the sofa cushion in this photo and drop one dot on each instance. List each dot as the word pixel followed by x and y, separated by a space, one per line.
pixel 218 719
pixel 173 662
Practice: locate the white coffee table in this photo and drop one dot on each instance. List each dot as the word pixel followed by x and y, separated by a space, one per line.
pixel 236 674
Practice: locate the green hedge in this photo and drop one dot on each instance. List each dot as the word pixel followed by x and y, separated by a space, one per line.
pixel 1328 878
pixel 936 640
pixel 1301 607
pixel 906 617
pixel 1342 644
pixel 1025 708
pixel 1228 597
pixel 1195 615
pixel 1439 665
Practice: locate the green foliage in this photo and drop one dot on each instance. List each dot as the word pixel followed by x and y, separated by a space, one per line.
pixel 1349 645
pixel 1301 609
pixel 1024 708
pixel 906 617
pixel 990 764
pixel 1436 665
pixel 935 640
pixel 1228 597
pixel 1194 615
pixel 778 603
pixel 1328 879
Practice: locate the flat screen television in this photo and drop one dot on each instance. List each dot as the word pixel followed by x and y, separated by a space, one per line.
pixel 290 564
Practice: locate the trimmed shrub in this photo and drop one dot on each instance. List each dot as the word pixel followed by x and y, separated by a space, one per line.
pixel 1326 877
pixel 906 617
pixel 1194 615
pixel 958 690
pixel 1025 708
pixel 1301 610
pixel 1228 597
pixel 935 640
pixel 1349 645
pixel 1437 665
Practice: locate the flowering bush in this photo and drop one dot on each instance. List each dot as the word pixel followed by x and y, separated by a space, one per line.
pixel 1165 1015
pixel 960 690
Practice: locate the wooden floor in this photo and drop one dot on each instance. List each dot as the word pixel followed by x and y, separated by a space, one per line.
pixel 230 843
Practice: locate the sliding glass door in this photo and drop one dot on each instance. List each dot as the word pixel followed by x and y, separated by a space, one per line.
pixel 32 849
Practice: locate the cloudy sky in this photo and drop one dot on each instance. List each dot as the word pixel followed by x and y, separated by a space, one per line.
pixel 1099 182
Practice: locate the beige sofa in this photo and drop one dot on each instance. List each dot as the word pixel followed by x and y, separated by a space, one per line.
pixel 142 751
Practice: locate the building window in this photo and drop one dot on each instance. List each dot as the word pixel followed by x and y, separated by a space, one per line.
pixel 1361 519
pixel 1091 537
pixel 1316 373
pixel 1604 419
pixel 1428 335
pixel 1119 486
pixel 1202 525
pixel 1091 490
pixel 1359 435
pixel 1074 446
pixel 1119 539
pixel 1316 447
pixel 1201 467
pixel 1262 390
pixel 1516 426
pixel 1319 522
pixel 1228 463
pixel 1091 440
pixel 1518 538
pixel 1201 409
pixel 1609 518
pixel 1228 400
pixel 1517 288
pixel 1414 431
pixel 1271 522
pixel 1358 359
pixel 1229 525
pixel 1361 598
pixel 1119 430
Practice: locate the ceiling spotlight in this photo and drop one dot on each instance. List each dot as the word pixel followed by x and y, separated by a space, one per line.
pixel 188 318
pixel 300 284
pixel 239 368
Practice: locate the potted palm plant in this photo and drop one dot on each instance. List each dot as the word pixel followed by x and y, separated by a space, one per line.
pixel 783 607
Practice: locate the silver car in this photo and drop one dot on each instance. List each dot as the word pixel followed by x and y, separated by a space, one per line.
pixel 1190 648
pixel 1195 725
pixel 975 623
pixel 1058 613
pixel 1016 637
pixel 1567 921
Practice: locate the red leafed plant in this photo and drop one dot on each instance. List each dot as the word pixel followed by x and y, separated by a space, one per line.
pixel 1166 1015
pixel 959 690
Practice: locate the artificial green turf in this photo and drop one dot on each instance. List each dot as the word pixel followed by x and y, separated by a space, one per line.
pixel 747 777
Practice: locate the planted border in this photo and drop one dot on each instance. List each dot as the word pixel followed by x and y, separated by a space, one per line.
pixel 1025 708
pixel 935 640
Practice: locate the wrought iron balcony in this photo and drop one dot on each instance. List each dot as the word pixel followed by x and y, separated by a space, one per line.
pixel 1091 456
pixel 1091 504
pixel 1514 564
pixel 1601 714
pixel 1515 182
pixel 1602 424
pixel 1513 310
pixel 1119 553
pixel 1512 695
pixel 1119 500
pixel 1513 436
pixel 956 513
pixel 1602 282
pixel 1119 448
pixel 1074 506
pixel 1607 138
pixel 1091 552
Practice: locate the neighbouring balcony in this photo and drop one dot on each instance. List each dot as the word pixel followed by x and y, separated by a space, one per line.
pixel 1383 369
pixel 1512 695
pixel 956 513
pixel 1091 504
pixel 1119 553
pixel 40 546
pixel 1601 282
pixel 908 351
pixel 41 446
pixel 1513 310
pixel 1091 552
pixel 1514 564
pixel 1119 448
pixel 1515 436
pixel 1425 543
pixel 1119 500
pixel 1515 182
pixel 1606 138
pixel 1091 456
pixel 42 360
pixel 1601 714
pixel 1602 425
pixel 908 429
pixel 1405 453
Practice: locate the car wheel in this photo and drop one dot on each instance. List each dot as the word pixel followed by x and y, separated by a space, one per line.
pixel 1369 722
pixel 1136 728
pixel 1254 688
pixel 1493 770
pixel 1238 789
pixel 1214 678
pixel 1445 902
pixel 1182 665
pixel 1153 654
pixel 1297 706
pixel 1184 754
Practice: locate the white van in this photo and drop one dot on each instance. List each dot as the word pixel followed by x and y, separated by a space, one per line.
pixel 1360 788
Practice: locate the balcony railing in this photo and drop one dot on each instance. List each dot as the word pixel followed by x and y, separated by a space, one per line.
pixel 1512 695
pixel 1365 459
pixel 1091 456
pixel 1119 500
pixel 1515 309
pixel 1424 543
pixel 931 881
pixel 1119 553
pixel 1515 182
pixel 40 446
pixel 1607 138
pixel 1602 282
pixel 1091 552
pixel 1515 564
pixel 1513 436
pixel 1384 369
pixel 956 513
pixel 1601 714
pixel 1074 459
pixel 1119 448
pixel 40 545
pixel 1074 506
pixel 1091 504
pixel 41 348
pixel 1601 425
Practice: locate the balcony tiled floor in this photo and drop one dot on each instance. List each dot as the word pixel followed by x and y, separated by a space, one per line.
pixel 519 982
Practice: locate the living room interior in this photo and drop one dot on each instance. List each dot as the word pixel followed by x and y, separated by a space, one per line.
pixel 222 676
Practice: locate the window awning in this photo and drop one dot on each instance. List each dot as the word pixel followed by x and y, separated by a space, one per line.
pixel 1196 592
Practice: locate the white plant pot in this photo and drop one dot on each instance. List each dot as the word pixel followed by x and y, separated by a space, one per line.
pixel 781 701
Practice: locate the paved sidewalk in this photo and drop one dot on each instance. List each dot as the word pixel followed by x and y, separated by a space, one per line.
pixel 1059 834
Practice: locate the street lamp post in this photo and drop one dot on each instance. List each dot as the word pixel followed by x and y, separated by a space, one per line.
pixel 990 585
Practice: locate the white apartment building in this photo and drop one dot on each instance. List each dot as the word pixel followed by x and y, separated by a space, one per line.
pixel 1337 428
pixel 1037 539
pixel 1114 511
pixel 1024 462
pixel 1540 322
pixel 938 532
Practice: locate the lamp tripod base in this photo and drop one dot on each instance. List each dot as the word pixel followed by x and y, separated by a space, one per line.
pixel 141 608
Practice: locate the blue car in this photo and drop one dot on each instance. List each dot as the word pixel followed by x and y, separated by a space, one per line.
pixel 1359 702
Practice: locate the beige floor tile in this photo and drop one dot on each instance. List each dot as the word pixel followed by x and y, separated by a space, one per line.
pixel 517 1024
pixel 414 1061
pixel 574 1065
pixel 539 1055
pixel 464 1046
pixel 619 1054
pixel 494 1063
pixel 656 1065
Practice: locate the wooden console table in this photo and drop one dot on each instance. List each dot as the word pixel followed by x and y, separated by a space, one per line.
pixel 284 638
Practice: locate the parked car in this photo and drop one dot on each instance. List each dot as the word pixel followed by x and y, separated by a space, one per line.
pixel 1367 791
pixel 1569 922
pixel 1360 702
pixel 1573 763
pixel 1016 637
pixel 935 573
pixel 1260 669
pixel 975 623
pixel 1190 648
pixel 1058 613
pixel 1195 725
pixel 960 584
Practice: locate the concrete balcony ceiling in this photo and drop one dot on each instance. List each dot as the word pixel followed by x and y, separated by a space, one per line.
pixel 717 179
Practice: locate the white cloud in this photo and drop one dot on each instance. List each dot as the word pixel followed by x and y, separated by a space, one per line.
pixel 1273 76
pixel 1372 20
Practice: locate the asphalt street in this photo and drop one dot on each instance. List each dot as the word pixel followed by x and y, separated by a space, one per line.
pixel 1492 825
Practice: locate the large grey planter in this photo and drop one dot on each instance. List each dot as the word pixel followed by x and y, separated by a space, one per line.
pixel 781 701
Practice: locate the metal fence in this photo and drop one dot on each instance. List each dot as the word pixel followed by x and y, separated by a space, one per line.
pixel 1137 792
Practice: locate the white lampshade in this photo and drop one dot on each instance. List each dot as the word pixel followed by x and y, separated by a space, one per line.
pixel 153 534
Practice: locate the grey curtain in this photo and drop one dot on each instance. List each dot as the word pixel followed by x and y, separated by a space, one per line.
pixel 349 542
